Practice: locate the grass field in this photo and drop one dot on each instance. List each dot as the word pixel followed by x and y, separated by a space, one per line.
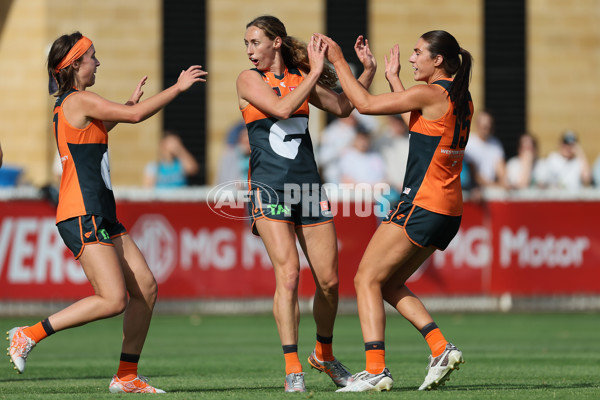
pixel 508 356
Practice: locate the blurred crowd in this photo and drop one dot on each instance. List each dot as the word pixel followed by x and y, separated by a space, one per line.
pixel 566 168
pixel 367 149
pixel 361 149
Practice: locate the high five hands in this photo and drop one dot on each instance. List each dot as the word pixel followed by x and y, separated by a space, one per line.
pixel 361 47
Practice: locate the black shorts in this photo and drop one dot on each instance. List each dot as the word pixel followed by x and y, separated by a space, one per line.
pixel 76 232
pixel 307 207
pixel 423 227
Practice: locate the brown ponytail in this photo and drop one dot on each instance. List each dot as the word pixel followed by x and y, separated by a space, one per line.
pixel 457 62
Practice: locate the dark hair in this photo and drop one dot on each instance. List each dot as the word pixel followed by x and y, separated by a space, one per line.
pixel 294 52
pixel 64 80
pixel 457 62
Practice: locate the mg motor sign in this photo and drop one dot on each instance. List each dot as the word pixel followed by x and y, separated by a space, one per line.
pixel 157 240
pixel 523 248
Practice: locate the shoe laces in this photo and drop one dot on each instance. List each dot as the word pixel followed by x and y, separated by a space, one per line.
pixel 297 380
pixel 337 367
pixel 361 375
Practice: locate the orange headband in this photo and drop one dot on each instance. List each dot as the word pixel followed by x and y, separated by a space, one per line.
pixel 75 53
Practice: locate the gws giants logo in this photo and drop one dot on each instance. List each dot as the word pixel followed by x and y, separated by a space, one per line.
pixel 157 240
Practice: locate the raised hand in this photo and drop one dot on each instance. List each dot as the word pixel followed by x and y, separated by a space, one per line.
pixel 190 76
pixel 316 54
pixel 138 92
pixel 363 52
pixel 334 52
pixel 392 65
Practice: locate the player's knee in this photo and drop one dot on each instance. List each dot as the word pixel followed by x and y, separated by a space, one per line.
pixel 150 291
pixel 330 285
pixel 364 281
pixel 115 305
pixel 288 281
pixel 144 288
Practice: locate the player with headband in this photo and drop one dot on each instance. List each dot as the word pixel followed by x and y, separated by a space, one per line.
pixel 86 215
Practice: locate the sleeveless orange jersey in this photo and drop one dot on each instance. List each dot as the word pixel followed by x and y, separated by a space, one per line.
pixel 435 160
pixel 85 186
pixel 281 150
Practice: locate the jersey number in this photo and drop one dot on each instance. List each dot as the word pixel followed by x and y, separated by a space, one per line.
pixel 286 135
pixel 461 132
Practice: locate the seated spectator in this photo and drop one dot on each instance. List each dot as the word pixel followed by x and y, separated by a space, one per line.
pixel 9 175
pixel 522 170
pixel 235 161
pixel 566 168
pixel 392 144
pixel 359 164
pixel 486 153
pixel 173 166
pixel 335 139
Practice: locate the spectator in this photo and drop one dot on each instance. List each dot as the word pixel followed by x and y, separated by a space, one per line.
pixel 335 139
pixel 486 153
pixel 566 168
pixel 173 166
pixel 393 146
pixel 596 172
pixel 9 175
pixel 359 164
pixel 522 170
pixel 235 160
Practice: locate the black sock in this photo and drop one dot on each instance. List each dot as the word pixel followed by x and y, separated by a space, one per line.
pixel 324 340
pixel 132 358
pixel 374 346
pixel 290 348
pixel 47 327
pixel 428 328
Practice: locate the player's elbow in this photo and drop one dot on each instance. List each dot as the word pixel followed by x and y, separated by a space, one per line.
pixel 364 107
pixel 283 113
pixel 345 110
pixel 135 118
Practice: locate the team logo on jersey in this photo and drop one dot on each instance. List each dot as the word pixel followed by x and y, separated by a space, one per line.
pixel 406 190
pixel 282 84
pixel 292 88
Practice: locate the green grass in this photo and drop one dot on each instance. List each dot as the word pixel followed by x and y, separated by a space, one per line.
pixel 508 356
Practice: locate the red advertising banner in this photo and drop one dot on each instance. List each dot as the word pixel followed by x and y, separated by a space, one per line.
pixel 523 248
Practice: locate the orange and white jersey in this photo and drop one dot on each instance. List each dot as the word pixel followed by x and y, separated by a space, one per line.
pixel 281 149
pixel 435 159
pixel 85 186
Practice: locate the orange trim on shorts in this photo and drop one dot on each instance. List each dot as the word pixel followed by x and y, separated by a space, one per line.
pixel 81 238
pixel 315 224
pixel 262 214
pixel 117 235
pixel 403 226
pixel 97 241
